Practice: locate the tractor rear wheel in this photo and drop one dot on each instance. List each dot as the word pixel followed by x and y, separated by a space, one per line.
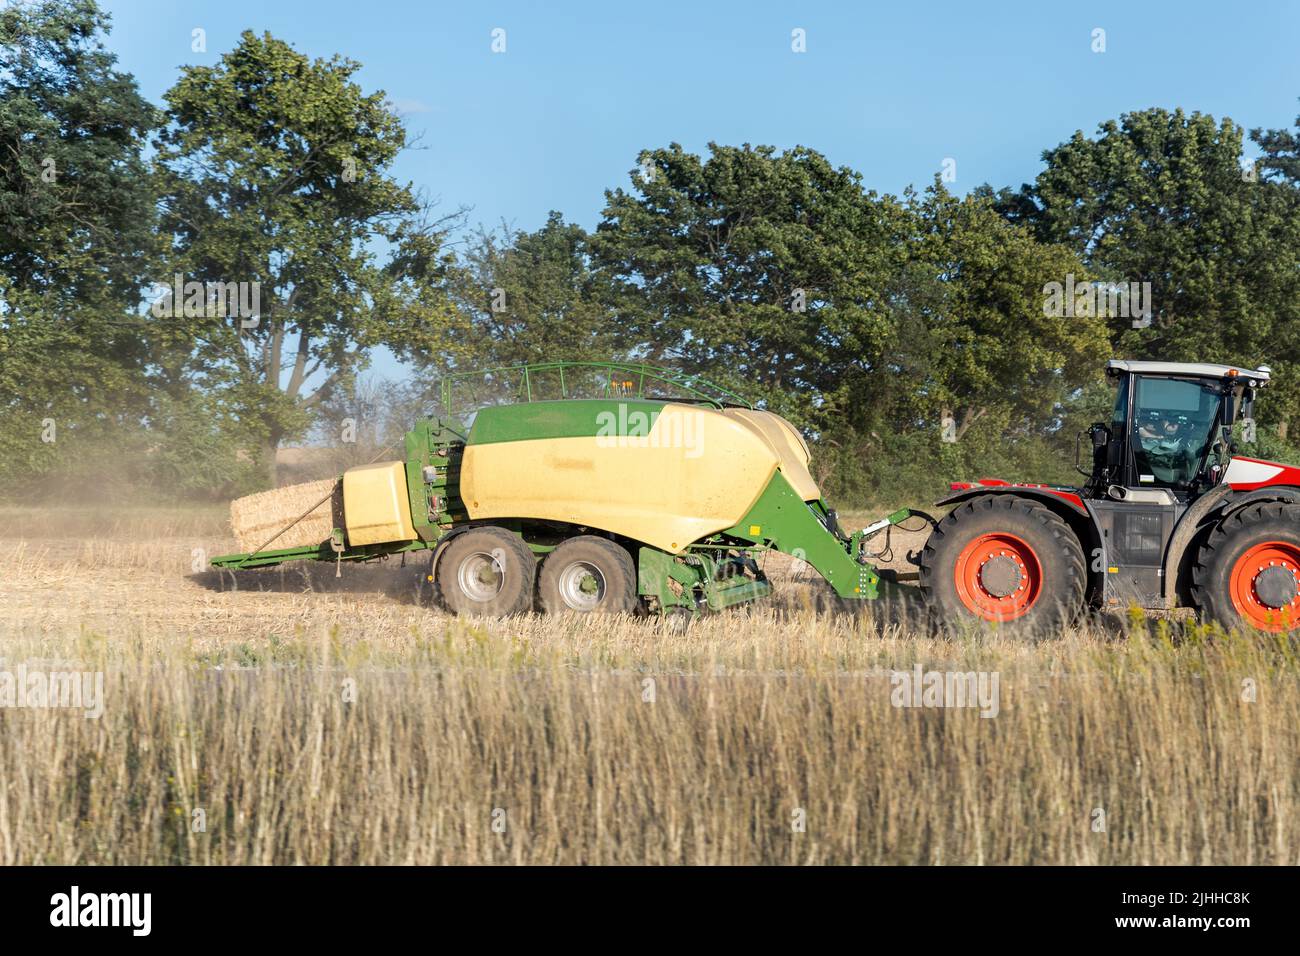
pixel 1248 569
pixel 1006 560
pixel 487 572
pixel 586 575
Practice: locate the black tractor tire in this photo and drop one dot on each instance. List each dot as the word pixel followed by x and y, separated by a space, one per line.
pixel 1247 571
pixel 588 575
pixel 487 572
pixel 1006 560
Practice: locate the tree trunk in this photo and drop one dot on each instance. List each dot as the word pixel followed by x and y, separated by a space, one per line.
pixel 1282 429
pixel 971 416
pixel 269 448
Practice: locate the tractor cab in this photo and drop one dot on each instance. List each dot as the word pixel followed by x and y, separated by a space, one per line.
pixel 1170 435
pixel 1168 442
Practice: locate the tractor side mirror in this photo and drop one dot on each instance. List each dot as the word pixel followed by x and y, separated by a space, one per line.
pixel 1100 437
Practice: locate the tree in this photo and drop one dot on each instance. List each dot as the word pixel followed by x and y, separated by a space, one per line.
pixel 275 174
pixel 1281 153
pixel 1162 197
pixel 529 297
pixel 76 235
pixel 1279 170
pixel 75 206
pixel 984 349
pixel 867 320
pixel 766 271
pixel 523 297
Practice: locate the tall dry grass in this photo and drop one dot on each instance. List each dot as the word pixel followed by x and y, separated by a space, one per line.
pixel 616 741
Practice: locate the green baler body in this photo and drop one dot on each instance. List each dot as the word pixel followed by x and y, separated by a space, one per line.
pixel 697 574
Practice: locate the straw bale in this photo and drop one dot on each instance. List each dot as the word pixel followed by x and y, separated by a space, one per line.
pixel 256 519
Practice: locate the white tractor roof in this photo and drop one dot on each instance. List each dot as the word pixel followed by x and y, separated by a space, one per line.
pixel 1256 376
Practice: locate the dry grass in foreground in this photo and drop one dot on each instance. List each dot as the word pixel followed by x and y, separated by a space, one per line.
pixel 338 721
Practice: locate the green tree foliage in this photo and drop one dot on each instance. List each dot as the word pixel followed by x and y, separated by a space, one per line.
pixel 913 338
pixel 274 171
pixel 522 297
pixel 1279 173
pixel 1163 197
pixel 1281 153
pixel 766 270
pixel 978 344
pixel 528 297
pixel 76 237
pixel 75 208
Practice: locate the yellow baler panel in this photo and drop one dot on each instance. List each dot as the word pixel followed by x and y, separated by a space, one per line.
pixel 376 507
pixel 786 443
pixel 696 473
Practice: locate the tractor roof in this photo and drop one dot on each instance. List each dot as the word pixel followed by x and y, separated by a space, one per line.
pixel 1256 376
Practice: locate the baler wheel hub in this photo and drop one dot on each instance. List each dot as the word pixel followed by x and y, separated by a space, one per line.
pixel 582 586
pixel 480 576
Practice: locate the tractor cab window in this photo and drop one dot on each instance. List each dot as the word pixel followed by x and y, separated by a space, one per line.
pixel 1173 426
pixel 1119 419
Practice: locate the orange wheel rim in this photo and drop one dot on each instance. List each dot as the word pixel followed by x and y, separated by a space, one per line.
pixel 998 577
pixel 1264 586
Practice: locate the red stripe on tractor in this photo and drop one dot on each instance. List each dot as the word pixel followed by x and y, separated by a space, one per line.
pixel 1062 493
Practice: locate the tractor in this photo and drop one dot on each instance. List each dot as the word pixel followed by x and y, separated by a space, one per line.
pixel 1169 516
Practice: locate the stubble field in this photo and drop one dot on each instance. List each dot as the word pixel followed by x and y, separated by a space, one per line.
pixel 292 716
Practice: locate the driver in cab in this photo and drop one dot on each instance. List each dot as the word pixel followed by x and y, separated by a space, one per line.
pixel 1169 456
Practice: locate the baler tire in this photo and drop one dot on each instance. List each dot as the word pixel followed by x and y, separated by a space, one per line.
pixel 468 554
pixel 615 577
pixel 678 620
pixel 1043 559
pixel 1223 587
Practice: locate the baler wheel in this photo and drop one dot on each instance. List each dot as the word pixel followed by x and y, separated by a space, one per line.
pixel 487 572
pixel 1006 560
pixel 1247 572
pixel 586 575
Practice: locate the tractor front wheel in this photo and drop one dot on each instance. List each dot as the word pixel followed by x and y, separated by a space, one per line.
pixel 586 575
pixel 1006 560
pixel 1248 569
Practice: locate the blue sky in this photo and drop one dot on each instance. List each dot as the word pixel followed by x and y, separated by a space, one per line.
pixel 891 89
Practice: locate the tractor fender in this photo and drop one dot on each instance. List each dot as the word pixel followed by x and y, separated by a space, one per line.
pixel 1180 554
pixel 1069 507
pixel 1239 499
pixel 1062 499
